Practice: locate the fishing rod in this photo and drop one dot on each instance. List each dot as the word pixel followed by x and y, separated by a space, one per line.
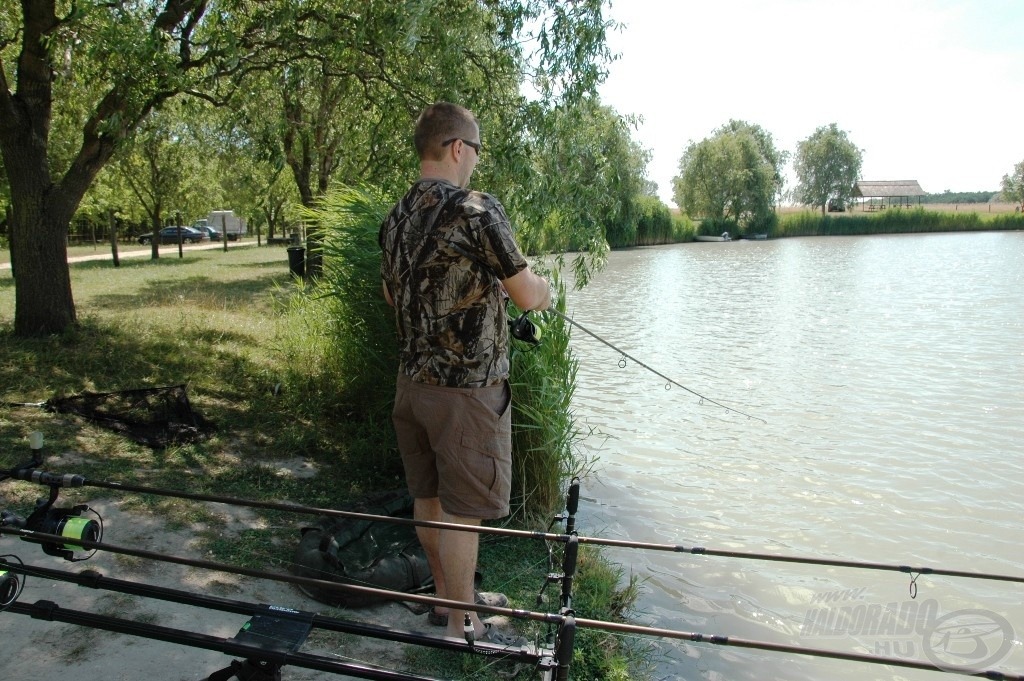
pixel 559 619
pixel 80 481
pixel 671 381
pixel 51 611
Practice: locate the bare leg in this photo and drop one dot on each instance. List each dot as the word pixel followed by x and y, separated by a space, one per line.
pixel 430 509
pixel 458 552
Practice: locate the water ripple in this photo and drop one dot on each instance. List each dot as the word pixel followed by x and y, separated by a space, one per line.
pixel 891 373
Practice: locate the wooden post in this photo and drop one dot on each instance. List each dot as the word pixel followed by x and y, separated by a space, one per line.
pixel 113 238
pixel 224 230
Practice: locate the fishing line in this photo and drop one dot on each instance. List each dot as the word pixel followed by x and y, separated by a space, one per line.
pixel 671 382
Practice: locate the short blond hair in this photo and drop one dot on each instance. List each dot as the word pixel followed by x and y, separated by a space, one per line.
pixel 440 122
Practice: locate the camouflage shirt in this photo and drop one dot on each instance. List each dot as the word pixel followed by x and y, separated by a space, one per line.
pixel 444 251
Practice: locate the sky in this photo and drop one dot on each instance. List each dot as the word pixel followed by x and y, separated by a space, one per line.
pixel 929 90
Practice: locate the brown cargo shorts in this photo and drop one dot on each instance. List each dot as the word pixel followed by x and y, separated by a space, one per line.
pixel 456 444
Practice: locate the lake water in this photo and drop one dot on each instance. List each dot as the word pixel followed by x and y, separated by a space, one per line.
pixel 890 371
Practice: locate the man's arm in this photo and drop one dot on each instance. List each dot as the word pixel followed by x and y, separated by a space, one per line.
pixel 528 291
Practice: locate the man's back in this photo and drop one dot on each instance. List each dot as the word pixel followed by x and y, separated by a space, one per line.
pixel 445 250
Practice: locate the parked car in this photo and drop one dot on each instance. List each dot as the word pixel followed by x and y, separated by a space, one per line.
pixel 169 235
pixel 211 233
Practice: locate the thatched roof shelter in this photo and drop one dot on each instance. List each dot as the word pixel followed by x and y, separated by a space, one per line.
pixel 883 189
pixel 889 193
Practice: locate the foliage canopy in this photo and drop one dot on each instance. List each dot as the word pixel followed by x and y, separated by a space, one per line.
pixel 1013 185
pixel 326 89
pixel 734 176
pixel 827 166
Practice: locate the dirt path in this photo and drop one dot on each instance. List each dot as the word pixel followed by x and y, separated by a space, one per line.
pixel 134 252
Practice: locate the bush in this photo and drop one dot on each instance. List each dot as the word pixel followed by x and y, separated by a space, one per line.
pixel 654 222
pixel 765 224
pixel 346 309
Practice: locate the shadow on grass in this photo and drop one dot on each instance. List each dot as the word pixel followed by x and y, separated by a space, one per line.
pixel 135 263
pixel 202 290
pixel 253 420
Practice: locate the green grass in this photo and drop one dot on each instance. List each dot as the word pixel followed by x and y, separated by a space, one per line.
pixel 230 326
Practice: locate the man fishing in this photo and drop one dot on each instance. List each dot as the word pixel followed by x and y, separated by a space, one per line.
pixel 449 261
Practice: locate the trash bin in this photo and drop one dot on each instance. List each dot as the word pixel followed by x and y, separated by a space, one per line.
pixel 297 260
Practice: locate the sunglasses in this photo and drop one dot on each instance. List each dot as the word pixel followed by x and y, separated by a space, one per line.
pixel 476 145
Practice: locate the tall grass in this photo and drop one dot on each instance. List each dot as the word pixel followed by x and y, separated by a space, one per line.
pixel 545 437
pixel 352 347
pixel 895 221
pixel 348 315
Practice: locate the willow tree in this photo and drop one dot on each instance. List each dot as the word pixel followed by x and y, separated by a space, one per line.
pixel 597 171
pixel 827 166
pixel 1013 185
pixel 104 67
pixel 734 175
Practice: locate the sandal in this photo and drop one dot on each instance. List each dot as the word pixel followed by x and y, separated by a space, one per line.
pixel 497 637
pixel 489 598
pixel 436 618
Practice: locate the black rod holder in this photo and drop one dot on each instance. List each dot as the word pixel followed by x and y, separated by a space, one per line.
pixel 566 642
pixel 47 610
pixel 569 569
pixel 572 505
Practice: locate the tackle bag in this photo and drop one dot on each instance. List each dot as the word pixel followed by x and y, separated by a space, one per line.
pixel 363 552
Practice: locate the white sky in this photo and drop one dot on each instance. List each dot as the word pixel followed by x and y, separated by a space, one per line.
pixel 930 90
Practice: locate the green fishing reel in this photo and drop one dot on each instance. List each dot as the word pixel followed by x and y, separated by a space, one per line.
pixel 10 587
pixel 67 523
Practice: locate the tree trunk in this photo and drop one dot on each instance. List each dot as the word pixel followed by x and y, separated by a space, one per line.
pixel 43 303
pixel 113 238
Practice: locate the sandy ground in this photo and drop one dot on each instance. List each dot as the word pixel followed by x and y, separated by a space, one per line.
pixel 39 650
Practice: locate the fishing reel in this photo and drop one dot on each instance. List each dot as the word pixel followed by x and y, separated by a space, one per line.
pixel 67 523
pixel 522 328
pixel 10 587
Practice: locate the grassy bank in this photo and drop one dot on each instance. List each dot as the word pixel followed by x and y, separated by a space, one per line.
pixel 228 326
pixel 893 221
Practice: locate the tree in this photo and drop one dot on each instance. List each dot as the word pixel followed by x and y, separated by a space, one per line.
pixel 1013 185
pixel 827 166
pixel 101 68
pixel 120 62
pixel 596 171
pixel 734 175
pixel 155 165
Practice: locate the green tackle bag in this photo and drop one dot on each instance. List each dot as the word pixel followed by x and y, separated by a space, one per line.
pixel 362 552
